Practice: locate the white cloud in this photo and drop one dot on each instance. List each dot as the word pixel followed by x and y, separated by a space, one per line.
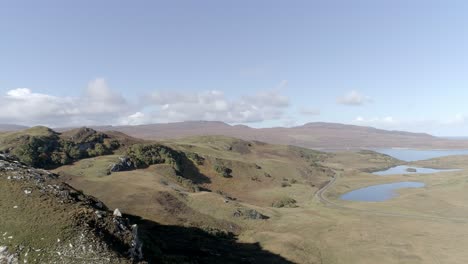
pixel 101 105
pixel 354 98
pixel 98 105
pixel 137 118
pixel 214 106
pixel 99 98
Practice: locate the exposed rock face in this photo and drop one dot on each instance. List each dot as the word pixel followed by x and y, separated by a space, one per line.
pixel 94 235
pixel 249 214
pixel 136 251
pixel 124 164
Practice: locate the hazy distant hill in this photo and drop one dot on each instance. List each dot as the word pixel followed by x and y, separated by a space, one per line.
pixel 11 127
pixel 312 135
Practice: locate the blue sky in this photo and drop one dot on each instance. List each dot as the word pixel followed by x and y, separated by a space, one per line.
pixel 390 64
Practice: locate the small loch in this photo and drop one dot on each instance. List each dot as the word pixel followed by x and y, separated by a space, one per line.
pixel 380 192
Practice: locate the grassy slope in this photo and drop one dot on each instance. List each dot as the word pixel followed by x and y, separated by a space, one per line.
pixel 258 172
pixel 355 232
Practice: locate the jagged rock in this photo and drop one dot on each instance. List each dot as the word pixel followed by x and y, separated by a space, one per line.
pixel 124 164
pixel 136 251
pixel 7 257
pixel 117 213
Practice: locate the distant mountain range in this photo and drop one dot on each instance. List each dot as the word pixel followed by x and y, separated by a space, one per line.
pixel 318 135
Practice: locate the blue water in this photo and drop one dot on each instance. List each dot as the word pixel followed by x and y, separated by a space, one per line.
pixel 402 170
pixel 379 193
pixel 414 154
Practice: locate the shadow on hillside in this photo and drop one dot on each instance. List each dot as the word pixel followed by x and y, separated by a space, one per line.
pixel 177 244
pixel 190 171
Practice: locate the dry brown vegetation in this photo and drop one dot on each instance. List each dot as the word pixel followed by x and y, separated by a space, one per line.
pixel 271 199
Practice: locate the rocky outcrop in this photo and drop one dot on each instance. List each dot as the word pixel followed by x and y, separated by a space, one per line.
pixel 94 234
pixel 247 213
pixel 123 164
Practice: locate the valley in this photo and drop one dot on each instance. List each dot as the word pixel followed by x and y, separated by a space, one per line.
pixel 260 202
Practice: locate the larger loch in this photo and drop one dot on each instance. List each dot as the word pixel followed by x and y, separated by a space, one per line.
pixel 418 154
pixel 383 192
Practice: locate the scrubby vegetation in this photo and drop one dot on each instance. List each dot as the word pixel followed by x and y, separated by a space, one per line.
pixel 220 168
pixel 44 148
pixel 144 155
pixel 285 202
pixel 187 183
pixel 313 156
pixel 199 160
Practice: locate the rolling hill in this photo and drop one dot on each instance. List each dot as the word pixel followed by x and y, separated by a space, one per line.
pixel 319 135
pixel 164 187
pixel 312 135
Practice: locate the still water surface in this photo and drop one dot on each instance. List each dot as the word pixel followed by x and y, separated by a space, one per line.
pixel 380 192
pixel 416 154
pixel 403 169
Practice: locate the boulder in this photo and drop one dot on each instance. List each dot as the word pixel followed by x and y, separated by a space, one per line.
pixel 117 213
pixel 123 164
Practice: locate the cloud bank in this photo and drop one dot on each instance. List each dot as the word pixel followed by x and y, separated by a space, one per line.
pixel 101 105
pixel 210 106
pixel 97 104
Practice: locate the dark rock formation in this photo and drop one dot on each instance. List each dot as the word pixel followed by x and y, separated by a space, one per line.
pixel 247 213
